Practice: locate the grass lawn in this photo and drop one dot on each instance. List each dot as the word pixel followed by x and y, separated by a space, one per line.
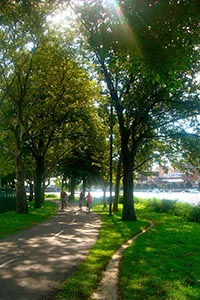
pixel 11 222
pixel 164 262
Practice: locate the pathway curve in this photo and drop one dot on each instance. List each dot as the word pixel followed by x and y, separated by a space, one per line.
pixel 108 288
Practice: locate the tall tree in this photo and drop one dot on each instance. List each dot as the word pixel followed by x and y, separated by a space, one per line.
pixel 148 54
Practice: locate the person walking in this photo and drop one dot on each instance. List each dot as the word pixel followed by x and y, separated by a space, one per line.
pixel 81 198
pixel 89 201
pixel 66 200
pixel 62 199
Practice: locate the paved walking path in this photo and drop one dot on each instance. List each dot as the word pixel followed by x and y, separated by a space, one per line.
pixel 34 263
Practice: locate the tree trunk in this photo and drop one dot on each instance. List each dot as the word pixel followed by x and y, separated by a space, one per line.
pixel 128 213
pixel 104 195
pixel 84 186
pixel 72 188
pixel 117 184
pixel 39 177
pixel 22 206
pixel 31 187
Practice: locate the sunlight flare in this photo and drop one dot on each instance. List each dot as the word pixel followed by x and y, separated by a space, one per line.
pixel 124 28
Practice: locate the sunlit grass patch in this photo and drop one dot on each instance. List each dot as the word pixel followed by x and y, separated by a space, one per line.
pixel 113 234
pixel 11 222
pixel 162 263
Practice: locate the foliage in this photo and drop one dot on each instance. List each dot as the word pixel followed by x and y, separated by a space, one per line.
pixel 190 145
pixel 185 211
pixel 21 27
pixel 87 147
pixel 52 196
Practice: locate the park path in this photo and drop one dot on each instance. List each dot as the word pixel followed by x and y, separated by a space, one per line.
pixel 108 287
pixel 35 262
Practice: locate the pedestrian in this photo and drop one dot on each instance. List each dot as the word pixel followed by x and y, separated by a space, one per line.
pixel 62 199
pixel 66 200
pixel 89 201
pixel 81 198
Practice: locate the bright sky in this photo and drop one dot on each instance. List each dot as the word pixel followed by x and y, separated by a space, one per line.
pixel 62 18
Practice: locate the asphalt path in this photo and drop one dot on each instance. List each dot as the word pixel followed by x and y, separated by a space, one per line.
pixel 35 262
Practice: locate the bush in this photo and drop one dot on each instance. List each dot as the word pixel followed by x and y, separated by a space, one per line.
pixel 183 210
pixel 195 215
pixel 51 196
pixel 161 206
pixel 188 212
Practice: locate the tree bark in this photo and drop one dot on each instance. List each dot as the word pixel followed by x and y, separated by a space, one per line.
pixel 31 187
pixel 104 195
pixel 39 177
pixel 84 186
pixel 117 184
pixel 22 205
pixel 128 213
pixel 72 188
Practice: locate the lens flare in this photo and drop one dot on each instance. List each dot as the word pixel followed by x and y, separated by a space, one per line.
pixel 124 28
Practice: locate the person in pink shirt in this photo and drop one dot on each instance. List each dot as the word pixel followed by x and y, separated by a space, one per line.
pixel 89 201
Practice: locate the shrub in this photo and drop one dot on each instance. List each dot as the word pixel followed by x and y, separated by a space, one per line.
pixel 51 196
pixel 161 206
pixel 183 210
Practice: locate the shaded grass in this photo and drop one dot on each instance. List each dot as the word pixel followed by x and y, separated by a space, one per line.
pixel 11 222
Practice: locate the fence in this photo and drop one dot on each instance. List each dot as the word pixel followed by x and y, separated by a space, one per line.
pixel 7 200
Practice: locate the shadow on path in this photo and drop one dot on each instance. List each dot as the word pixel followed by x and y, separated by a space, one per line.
pixel 35 262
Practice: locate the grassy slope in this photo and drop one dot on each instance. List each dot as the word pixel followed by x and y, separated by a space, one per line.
pixel 12 222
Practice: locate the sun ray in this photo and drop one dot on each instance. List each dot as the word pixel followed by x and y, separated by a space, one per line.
pixel 124 25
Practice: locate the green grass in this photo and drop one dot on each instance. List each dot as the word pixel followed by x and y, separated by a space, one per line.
pixel 11 222
pixel 164 262
pixel 113 234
